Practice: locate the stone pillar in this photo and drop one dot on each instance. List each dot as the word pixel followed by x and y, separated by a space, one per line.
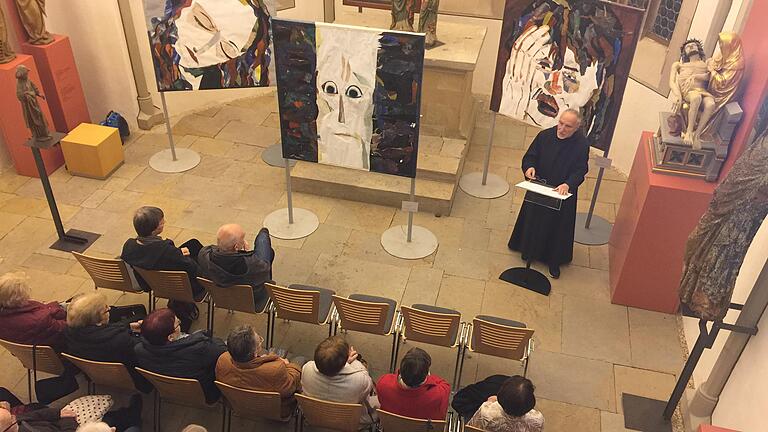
pixel 716 25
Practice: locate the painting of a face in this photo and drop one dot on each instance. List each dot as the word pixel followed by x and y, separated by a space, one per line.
pixel 346 78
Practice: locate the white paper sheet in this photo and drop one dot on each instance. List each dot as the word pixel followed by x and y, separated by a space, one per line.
pixel 542 190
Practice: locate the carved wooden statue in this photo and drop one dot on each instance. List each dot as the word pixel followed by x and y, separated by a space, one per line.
pixel 32 14
pixel 6 53
pixel 27 93
pixel 428 21
pixel 402 15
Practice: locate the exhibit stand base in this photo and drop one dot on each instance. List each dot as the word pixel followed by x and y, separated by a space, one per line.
pixel 527 278
pixel 644 414
pixel 164 161
pixel 273 156
pixel 75 241
pixel 495 186
pixel 280 226
pixel 395 241
pixel 598 233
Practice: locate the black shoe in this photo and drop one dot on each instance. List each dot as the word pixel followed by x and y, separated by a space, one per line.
pixel 554 271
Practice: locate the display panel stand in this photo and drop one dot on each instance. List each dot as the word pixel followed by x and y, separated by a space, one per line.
pixel 591 229
pixel 485 185
pixel 290 223
pixel 273 156
pixel 173 160
pixel 72 240
pixel 409 241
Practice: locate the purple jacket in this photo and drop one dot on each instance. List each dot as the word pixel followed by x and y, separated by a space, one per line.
pixel 34 323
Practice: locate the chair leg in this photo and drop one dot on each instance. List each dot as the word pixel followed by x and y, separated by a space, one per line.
pixel 149 302
pixel 29 384
pixel 273 313
pixel 392 358
pixel 525 367
pixel 211 312
pixel 269 330
pixel 463 351
pixel 456 368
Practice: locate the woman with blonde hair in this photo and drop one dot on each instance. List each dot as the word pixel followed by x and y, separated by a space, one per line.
pixel 27 321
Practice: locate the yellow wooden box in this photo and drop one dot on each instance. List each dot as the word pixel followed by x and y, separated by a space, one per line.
pixel 93 151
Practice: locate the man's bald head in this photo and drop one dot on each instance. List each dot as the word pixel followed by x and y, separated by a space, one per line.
pixel 230 237
pixel 6 420
pixel 568 124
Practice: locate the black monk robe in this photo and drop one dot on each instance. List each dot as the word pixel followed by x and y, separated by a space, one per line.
pixel 542 234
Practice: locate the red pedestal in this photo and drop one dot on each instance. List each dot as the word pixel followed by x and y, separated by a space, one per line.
pixel 710 428
pixel 647 244
pixel 12 127
pixel 61 82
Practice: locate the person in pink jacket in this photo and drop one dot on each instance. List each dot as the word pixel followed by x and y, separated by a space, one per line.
pixel 27 321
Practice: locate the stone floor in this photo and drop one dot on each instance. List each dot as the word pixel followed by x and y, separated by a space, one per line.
pixel 588 351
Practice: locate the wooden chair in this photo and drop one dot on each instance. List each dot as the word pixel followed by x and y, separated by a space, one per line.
pixel 35 358
pixel 237 298
pixel 369 314
pixel 303 303
pixel 251 404
pixel 436 326
pixel 499 337
pixel 342 417
pixel 390 422
pixel 173 285
pixel 103 373
pixel 110 274
pixel 473 429
pixel 186 391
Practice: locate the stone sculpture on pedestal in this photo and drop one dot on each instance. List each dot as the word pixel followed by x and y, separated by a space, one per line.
pixel 27 93
pixel 32 14
pixel 402 15
pixel 428 21
pixel 6 53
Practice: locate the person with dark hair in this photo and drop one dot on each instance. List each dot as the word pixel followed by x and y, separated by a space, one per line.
pixel 164 349
pixel 338 375
pixel 511 409
pixel 413 391
pixel 149 251
pixel 247 365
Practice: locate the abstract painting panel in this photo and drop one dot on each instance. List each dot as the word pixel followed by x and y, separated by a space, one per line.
pixel 561 54
pixel 349 96
pixel 209 44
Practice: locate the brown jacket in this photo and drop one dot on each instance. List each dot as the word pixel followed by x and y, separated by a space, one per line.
pixel 265 373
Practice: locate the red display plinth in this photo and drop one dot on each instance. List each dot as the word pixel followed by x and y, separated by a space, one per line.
pixel 647 245
pixel 13 130
pixel 58 73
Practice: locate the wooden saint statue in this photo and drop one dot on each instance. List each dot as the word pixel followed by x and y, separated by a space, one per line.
pixel 6 53
pixel 402 15
pixel 32 14
pixel 27 93
pixel 428 21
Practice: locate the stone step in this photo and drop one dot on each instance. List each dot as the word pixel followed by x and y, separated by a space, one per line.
pixel 440 159
pixel 388 190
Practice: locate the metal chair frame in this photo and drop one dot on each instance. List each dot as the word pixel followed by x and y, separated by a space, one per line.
pixel 51 361
pixel 244 303
pixel 276 291
pixel 155 277
pixel 110 273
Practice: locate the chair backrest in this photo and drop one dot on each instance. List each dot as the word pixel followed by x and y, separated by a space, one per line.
pixel 293 304
pixel 430 327
pixel 396 423
pixel 499 340
pixel 174 285
pixel 104 373
pixel 106 272
pixel 45 358
pixel 252 403
pixel 185 390
pixel 362 316
pixel 342 417
pixel 233 297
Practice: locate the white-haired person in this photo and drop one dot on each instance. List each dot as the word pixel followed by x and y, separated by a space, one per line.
pixel 27 321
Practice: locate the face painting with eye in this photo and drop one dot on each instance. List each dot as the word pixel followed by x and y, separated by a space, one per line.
pixel 346 77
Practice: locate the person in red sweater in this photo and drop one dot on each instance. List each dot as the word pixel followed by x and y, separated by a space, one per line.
pixel 413 392
pixel 27 321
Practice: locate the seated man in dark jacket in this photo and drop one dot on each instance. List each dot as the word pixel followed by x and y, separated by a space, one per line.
pixel 230 263
pixel 164 349
pixel 91 336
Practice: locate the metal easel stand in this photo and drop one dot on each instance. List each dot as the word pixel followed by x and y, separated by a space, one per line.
pixel 290 223
pixel 484 184
pixel 591 229
pixel 409 241
pixel 273 156
pixel 72 240
pixel 173 160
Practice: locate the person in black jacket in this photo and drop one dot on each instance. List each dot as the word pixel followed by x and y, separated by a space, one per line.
pixel 91 336
pixel 41 420
pixel 230 263
pixel 164 349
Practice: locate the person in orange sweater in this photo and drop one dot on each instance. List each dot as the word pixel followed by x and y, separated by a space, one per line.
pixel 413 392
pixel 247 365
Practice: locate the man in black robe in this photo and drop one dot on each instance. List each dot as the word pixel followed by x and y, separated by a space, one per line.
pixel 558 156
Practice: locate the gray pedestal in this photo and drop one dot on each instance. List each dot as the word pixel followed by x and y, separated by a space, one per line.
pixel 599 231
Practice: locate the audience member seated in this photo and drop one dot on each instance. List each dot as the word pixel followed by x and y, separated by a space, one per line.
pixel 413 391
pixel 247 365
pixel 91 336
pixel 338 375
pixel 149 251
pixel 511 410
pixel 27 321
pixel 164 349
pixel 41 420
pixel 229 262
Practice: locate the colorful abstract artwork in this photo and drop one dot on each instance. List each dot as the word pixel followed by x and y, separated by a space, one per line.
pixel 209 44
pixel 349 96
pixel 561 54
